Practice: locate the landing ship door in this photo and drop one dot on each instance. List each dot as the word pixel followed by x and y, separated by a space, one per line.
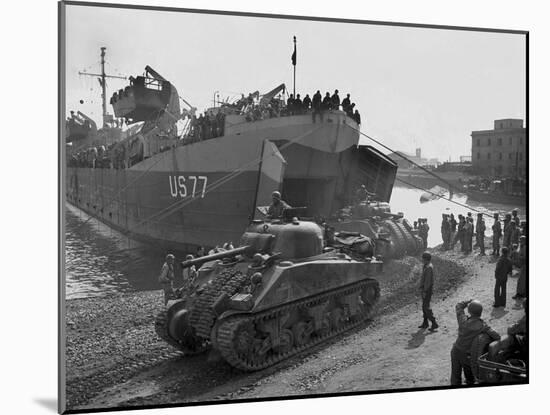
pixel 270 177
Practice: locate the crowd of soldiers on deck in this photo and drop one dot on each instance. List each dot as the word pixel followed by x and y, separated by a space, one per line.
pixel 206 126
pixel 95 157
pixel 319 105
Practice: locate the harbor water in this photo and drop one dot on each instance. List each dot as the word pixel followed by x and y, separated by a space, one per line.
pixel 100 261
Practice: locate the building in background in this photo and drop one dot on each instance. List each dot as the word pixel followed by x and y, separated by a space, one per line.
pixel 501 152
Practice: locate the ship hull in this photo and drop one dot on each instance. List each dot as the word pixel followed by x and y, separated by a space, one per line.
pixel 206 193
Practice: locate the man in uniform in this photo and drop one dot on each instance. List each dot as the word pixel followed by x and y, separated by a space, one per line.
pixel 446 232
pixel 327 102
pixel 298 104
pixel 346 103
pixel 335 100
pixel 515 218
pixel 468 329
pixel 468 234
pixel 357 117
pixel 502 270
pixel 423 229
pixel 480 233
pixel 306 104
pixel 277 207
pixel 521 288
pixel 166 278
pixel 497 234
pixel 426 290
pixel 362 194
pixel 316 105
pixel 290 104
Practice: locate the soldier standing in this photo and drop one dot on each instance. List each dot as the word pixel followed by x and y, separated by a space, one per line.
pixel 423 229
pixel 515 217
pixel 335 100
pixel 445 232
pixel 316 105
pixel 521 288
pixel 468 329
pixel 480 233
pixel 346 103
pixel 468 232
pixel 497 234
pixel 166 278
pixel 298 105
pixel 502 270
pixel 306 104
pixel 426 290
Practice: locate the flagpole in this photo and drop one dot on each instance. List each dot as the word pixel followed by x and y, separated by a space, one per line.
pixel 294 87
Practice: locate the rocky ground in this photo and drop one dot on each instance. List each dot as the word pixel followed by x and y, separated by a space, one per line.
pixel 114 357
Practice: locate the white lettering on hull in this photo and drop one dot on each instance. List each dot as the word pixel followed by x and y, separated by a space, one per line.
pixel 178 186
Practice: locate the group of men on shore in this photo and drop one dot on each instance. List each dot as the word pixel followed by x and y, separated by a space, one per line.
pixel 469 327
pixel 512 254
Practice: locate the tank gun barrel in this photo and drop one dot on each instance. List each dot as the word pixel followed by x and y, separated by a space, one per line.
pixel 213 257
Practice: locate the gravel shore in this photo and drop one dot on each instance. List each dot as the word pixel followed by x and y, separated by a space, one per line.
pixel 114 357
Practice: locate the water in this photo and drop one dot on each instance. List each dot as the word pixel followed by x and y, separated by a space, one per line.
pixel 100 260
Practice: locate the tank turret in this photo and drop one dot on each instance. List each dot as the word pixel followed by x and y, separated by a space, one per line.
pixel 281 292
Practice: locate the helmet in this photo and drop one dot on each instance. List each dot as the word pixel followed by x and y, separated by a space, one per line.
pixel 475 308
pixel 427 256
pixel 189 257
pixel 256 278
pixel 170 256
pixel 276 194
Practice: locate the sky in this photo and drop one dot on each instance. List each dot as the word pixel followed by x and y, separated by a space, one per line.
pixel 414 87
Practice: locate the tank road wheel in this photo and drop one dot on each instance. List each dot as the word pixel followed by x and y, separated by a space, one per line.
pixel 369 297
pixel 302 332
pixel 286 342
pixel 324 328
pixel 337 320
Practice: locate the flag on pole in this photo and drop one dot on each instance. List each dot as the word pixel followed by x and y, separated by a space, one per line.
pixel 294 54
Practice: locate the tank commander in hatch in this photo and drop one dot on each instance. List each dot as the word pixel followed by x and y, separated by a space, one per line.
pixel 277 207
pixel 363 195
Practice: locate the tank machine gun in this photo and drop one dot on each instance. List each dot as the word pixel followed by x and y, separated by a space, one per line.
pixel 281 292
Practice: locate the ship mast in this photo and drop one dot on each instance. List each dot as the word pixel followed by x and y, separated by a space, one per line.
pixel 103 83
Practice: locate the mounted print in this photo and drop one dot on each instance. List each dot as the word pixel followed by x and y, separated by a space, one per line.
pixel 261 206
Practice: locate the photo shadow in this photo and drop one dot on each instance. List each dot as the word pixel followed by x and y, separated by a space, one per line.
pixel 48 403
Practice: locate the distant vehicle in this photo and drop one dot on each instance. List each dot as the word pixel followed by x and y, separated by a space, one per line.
pixel 507 191
pixel 434 193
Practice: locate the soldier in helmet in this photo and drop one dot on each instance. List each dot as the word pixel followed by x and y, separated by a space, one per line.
pixel 277 207
pixel 426 290
pixel 497 234
pixel 468 329
pixel 166 278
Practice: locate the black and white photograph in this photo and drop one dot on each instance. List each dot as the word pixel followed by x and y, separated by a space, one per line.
pixel 262 206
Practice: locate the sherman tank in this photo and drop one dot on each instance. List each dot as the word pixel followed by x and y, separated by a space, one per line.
pixel 392 234
pixel 281 292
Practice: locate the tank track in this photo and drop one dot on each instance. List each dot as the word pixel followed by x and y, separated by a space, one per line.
pixel 399 240
pixel 202 316
pixel 227 329
pixel 161 328
pixel 411 247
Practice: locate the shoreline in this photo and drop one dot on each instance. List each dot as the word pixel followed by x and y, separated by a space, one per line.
pixel 115 358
